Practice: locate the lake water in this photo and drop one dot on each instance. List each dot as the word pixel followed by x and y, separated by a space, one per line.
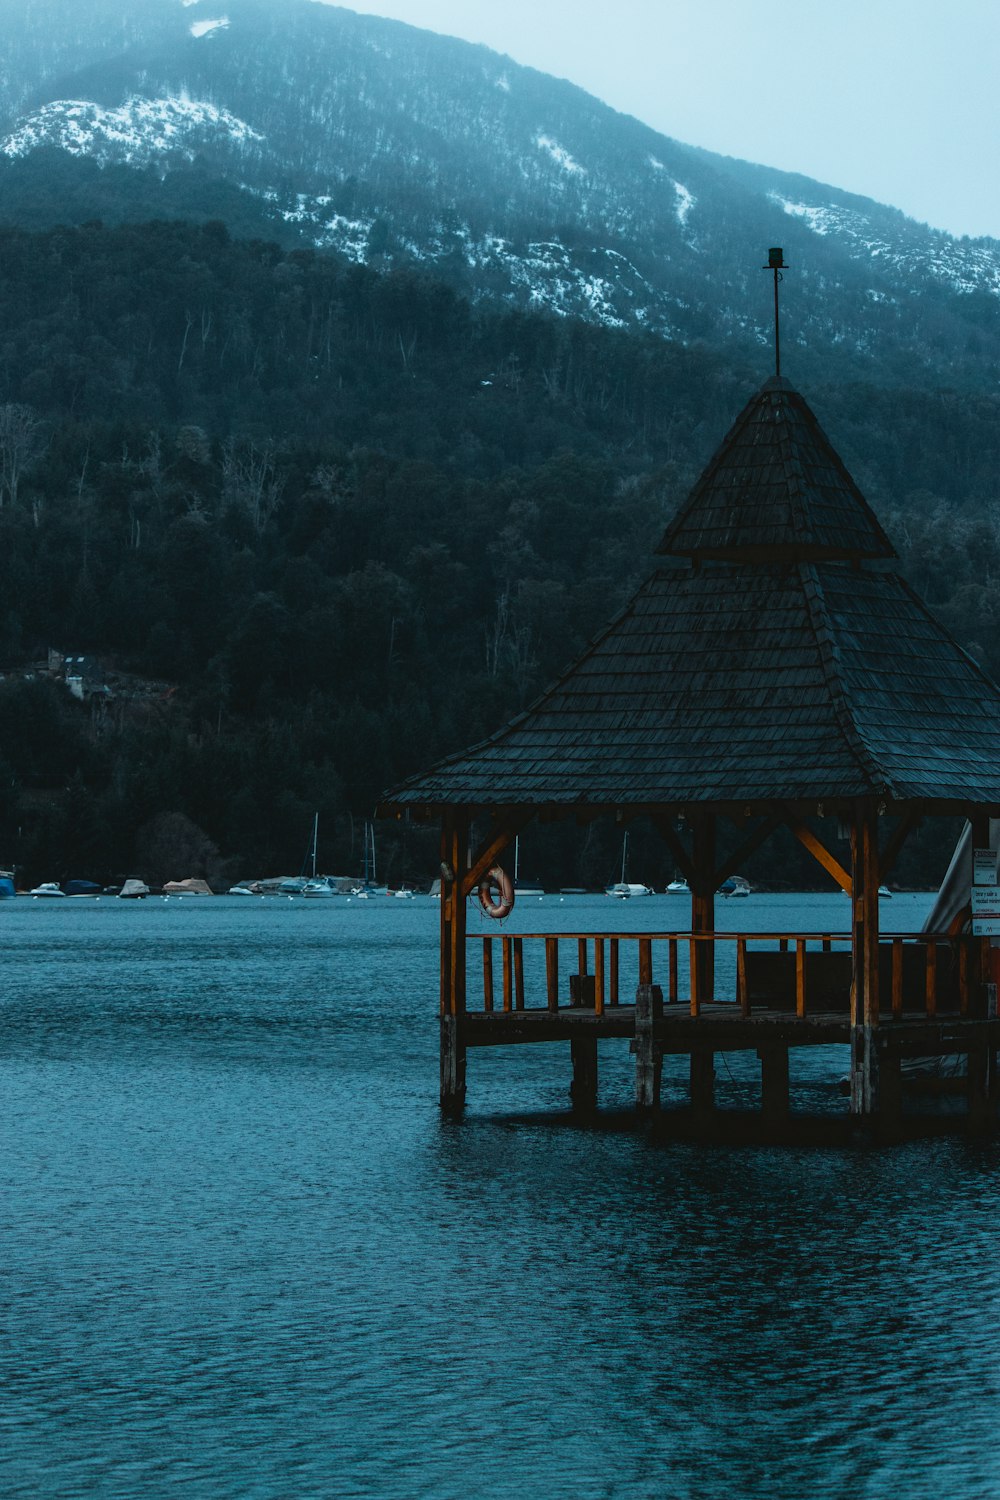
pixel 241 1254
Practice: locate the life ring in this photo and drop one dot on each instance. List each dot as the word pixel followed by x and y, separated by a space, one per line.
pixel 499 878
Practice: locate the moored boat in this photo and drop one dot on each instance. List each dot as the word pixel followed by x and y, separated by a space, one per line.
pixel 47 888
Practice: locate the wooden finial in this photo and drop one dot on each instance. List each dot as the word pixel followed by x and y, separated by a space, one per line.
pixel 776 263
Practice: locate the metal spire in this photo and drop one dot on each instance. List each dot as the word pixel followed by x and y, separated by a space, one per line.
pixel 776 263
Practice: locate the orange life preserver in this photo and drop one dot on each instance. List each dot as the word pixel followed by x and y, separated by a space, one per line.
pixel 495 876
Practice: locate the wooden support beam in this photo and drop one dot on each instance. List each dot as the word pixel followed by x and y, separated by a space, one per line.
pixel 819 852
pixel 613 976
pixel 645 961
pixel 672 988
pixel 800 978
pixel 508 974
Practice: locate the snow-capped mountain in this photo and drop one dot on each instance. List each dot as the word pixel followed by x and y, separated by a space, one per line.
pixel 386 144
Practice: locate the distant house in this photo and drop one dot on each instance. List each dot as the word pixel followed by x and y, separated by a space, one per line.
pixel 83 675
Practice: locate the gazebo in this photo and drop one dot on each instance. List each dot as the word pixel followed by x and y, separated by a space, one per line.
pixel 775 670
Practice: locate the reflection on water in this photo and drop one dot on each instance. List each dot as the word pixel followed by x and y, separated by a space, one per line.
pixel 242 1256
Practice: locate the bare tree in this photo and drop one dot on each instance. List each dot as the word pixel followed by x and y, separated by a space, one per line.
pixel 250 479
pixel 20 443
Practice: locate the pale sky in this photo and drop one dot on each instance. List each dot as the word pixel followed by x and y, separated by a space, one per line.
pixel 895 99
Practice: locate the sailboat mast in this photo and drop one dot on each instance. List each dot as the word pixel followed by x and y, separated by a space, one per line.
pixel 314 843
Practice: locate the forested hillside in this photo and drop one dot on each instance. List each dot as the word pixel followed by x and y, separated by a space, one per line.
pixel 348 523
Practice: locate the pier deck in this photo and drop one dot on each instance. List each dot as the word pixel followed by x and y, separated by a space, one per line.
pixel 765 993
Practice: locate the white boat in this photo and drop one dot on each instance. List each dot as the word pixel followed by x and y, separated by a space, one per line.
pixel 734 886
pixel 678 888
pixel 318 889
pixel 134 890
pixel 368 885
pixel 404 893
pixel 241 890
pixel 47 888
pixel 885 892
pixel 623 889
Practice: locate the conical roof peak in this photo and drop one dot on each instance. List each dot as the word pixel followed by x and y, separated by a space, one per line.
pixel 776 489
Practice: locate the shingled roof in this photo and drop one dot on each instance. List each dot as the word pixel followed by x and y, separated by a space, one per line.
pixel 776 489
pixel 749 672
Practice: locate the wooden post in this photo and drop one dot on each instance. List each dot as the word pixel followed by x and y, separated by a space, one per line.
pixel 702 1082
pixel 613 976
pixel 672 970
pixel 897 977
pixel 454 856
pixel 774 1083
pixel 518 973
pixel 599 976
pixel 648 1058
pixel 977 1091
pixel 703 903
pixel 742 993
pixel 800 978
pixel 552 973
pixel 508 974
pixel 583 1089
pixel 645 961
pixel 864 952
pixel 488 973
pixel 890 1081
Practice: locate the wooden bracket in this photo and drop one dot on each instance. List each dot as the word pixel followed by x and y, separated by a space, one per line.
pixel 752 842
pixel 668 834
pixel 910 820
pixel 820 852
pixel 489 852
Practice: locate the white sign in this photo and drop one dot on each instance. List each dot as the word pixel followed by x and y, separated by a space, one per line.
pixel 984 867
pixel 986 901
pixel 986 927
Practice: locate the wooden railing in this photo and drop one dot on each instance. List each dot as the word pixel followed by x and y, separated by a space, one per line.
pixel 800 973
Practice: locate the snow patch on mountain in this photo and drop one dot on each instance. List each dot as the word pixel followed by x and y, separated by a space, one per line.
pixel 915 253
pixel 136 132
pixel 558 153
pixel 205 28
pixel 685 201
